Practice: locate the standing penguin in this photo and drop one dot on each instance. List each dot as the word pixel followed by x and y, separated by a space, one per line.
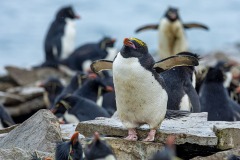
pixel 141 94
pixel 172 38
pixel 180 85
pixel 215 100
pixel 83 56
pixel 60 39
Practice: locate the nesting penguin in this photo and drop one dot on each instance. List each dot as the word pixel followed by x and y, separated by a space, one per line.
pixel 60 38
pixel 180 86
pixel 141 94
pixel 98 149
pixel 172 38
pixel 83 56
pixel 5 119
pixel 215 100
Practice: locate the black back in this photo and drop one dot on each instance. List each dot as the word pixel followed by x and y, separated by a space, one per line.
pixel 89 51
pixel 5 118
pixel 82 108
pixel 214 98
pixel 178 82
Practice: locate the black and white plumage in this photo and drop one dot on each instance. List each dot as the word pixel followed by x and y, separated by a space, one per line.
pixel 98 149
pixel 141 96
pixel 70 150
pixel 5 119
pixel 83 56
pixel 60 38
pixel 172 38
pixel 215 100
pixel 180 85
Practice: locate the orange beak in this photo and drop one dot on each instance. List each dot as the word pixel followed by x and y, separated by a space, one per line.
pixel 127 42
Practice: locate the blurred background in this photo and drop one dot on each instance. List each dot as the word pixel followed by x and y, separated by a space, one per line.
pixel 24 25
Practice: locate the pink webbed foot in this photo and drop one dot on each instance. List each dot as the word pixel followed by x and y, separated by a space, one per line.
pixel 132 135
pixel 151 136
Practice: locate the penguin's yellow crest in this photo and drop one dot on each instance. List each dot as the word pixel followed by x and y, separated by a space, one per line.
pixel 139 41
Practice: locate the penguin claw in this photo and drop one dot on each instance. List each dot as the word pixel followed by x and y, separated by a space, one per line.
pixel 151 136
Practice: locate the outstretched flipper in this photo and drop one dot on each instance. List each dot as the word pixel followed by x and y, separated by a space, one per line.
pixel 101 65
pixel 146 27
pixel 194 25
pixel 174 61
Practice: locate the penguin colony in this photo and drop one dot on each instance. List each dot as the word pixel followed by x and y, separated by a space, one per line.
pixel 140 90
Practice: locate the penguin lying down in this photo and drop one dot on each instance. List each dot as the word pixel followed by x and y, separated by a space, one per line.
pixel 141 95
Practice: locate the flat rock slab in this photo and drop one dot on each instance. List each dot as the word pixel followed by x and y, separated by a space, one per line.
pixel 67 130
pixel 124 149
pixel 191 129
pixel 40 132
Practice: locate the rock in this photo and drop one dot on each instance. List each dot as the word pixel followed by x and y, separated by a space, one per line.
pixel 27 107
pixel 40 132
pixel 220 155
pixel 228 134
pixel 8 129
pixel 193 129
pixel 20 154
pixel 23 76
pixel 124 149
pixel 6 82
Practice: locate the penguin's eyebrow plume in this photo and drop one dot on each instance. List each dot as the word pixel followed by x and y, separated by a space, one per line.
pixel 173 61
pixel 100 65
pixel 138 41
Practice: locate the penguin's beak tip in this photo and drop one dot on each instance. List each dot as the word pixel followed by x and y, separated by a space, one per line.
pixel 77 16
pixel 128 43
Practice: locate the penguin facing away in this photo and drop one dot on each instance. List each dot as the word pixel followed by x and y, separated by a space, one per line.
pixel 98 149
pixel 141 94
pixel 215 100
pixel 180 85
pixel 172 38
pixel 60 38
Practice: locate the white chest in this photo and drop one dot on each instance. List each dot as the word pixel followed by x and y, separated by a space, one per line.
pixel 138 94
pixel 68 39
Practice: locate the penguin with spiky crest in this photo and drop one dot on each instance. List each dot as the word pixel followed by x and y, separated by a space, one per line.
pixel 180 85
pixel 215 100
pixel 172 38
pixel 60 38
pixel 98 149
pixel 71 150
pixel 141 94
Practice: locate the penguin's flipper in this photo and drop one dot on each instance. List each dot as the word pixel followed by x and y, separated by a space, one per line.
pixel 146 27
pixel 100 65
pixel 172 114
pixel 193 96
pixel 194 25
pixel 174 61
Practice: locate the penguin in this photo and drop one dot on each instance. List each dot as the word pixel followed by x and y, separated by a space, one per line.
pixel 172 38
pixel 141 94
pixel 215 100
pixel 92 89
pixel 233 157
pixel 98 149
pixel 180 86
pixel 60 38
pixel 69 150
pixel 76 109
pixel 53 87
pixel 82 57
pixel 5 119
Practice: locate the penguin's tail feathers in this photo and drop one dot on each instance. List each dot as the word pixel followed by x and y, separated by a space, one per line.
pixel 174 114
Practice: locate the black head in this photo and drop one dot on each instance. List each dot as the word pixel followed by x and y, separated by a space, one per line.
pixel 225 65
pixel 97 149
pixel 107 42
pixel 133 47
pixel 52 85
pixel 172 14
pixel 69 150
pixel 65 103
pixel 215 75
pixel 66 12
